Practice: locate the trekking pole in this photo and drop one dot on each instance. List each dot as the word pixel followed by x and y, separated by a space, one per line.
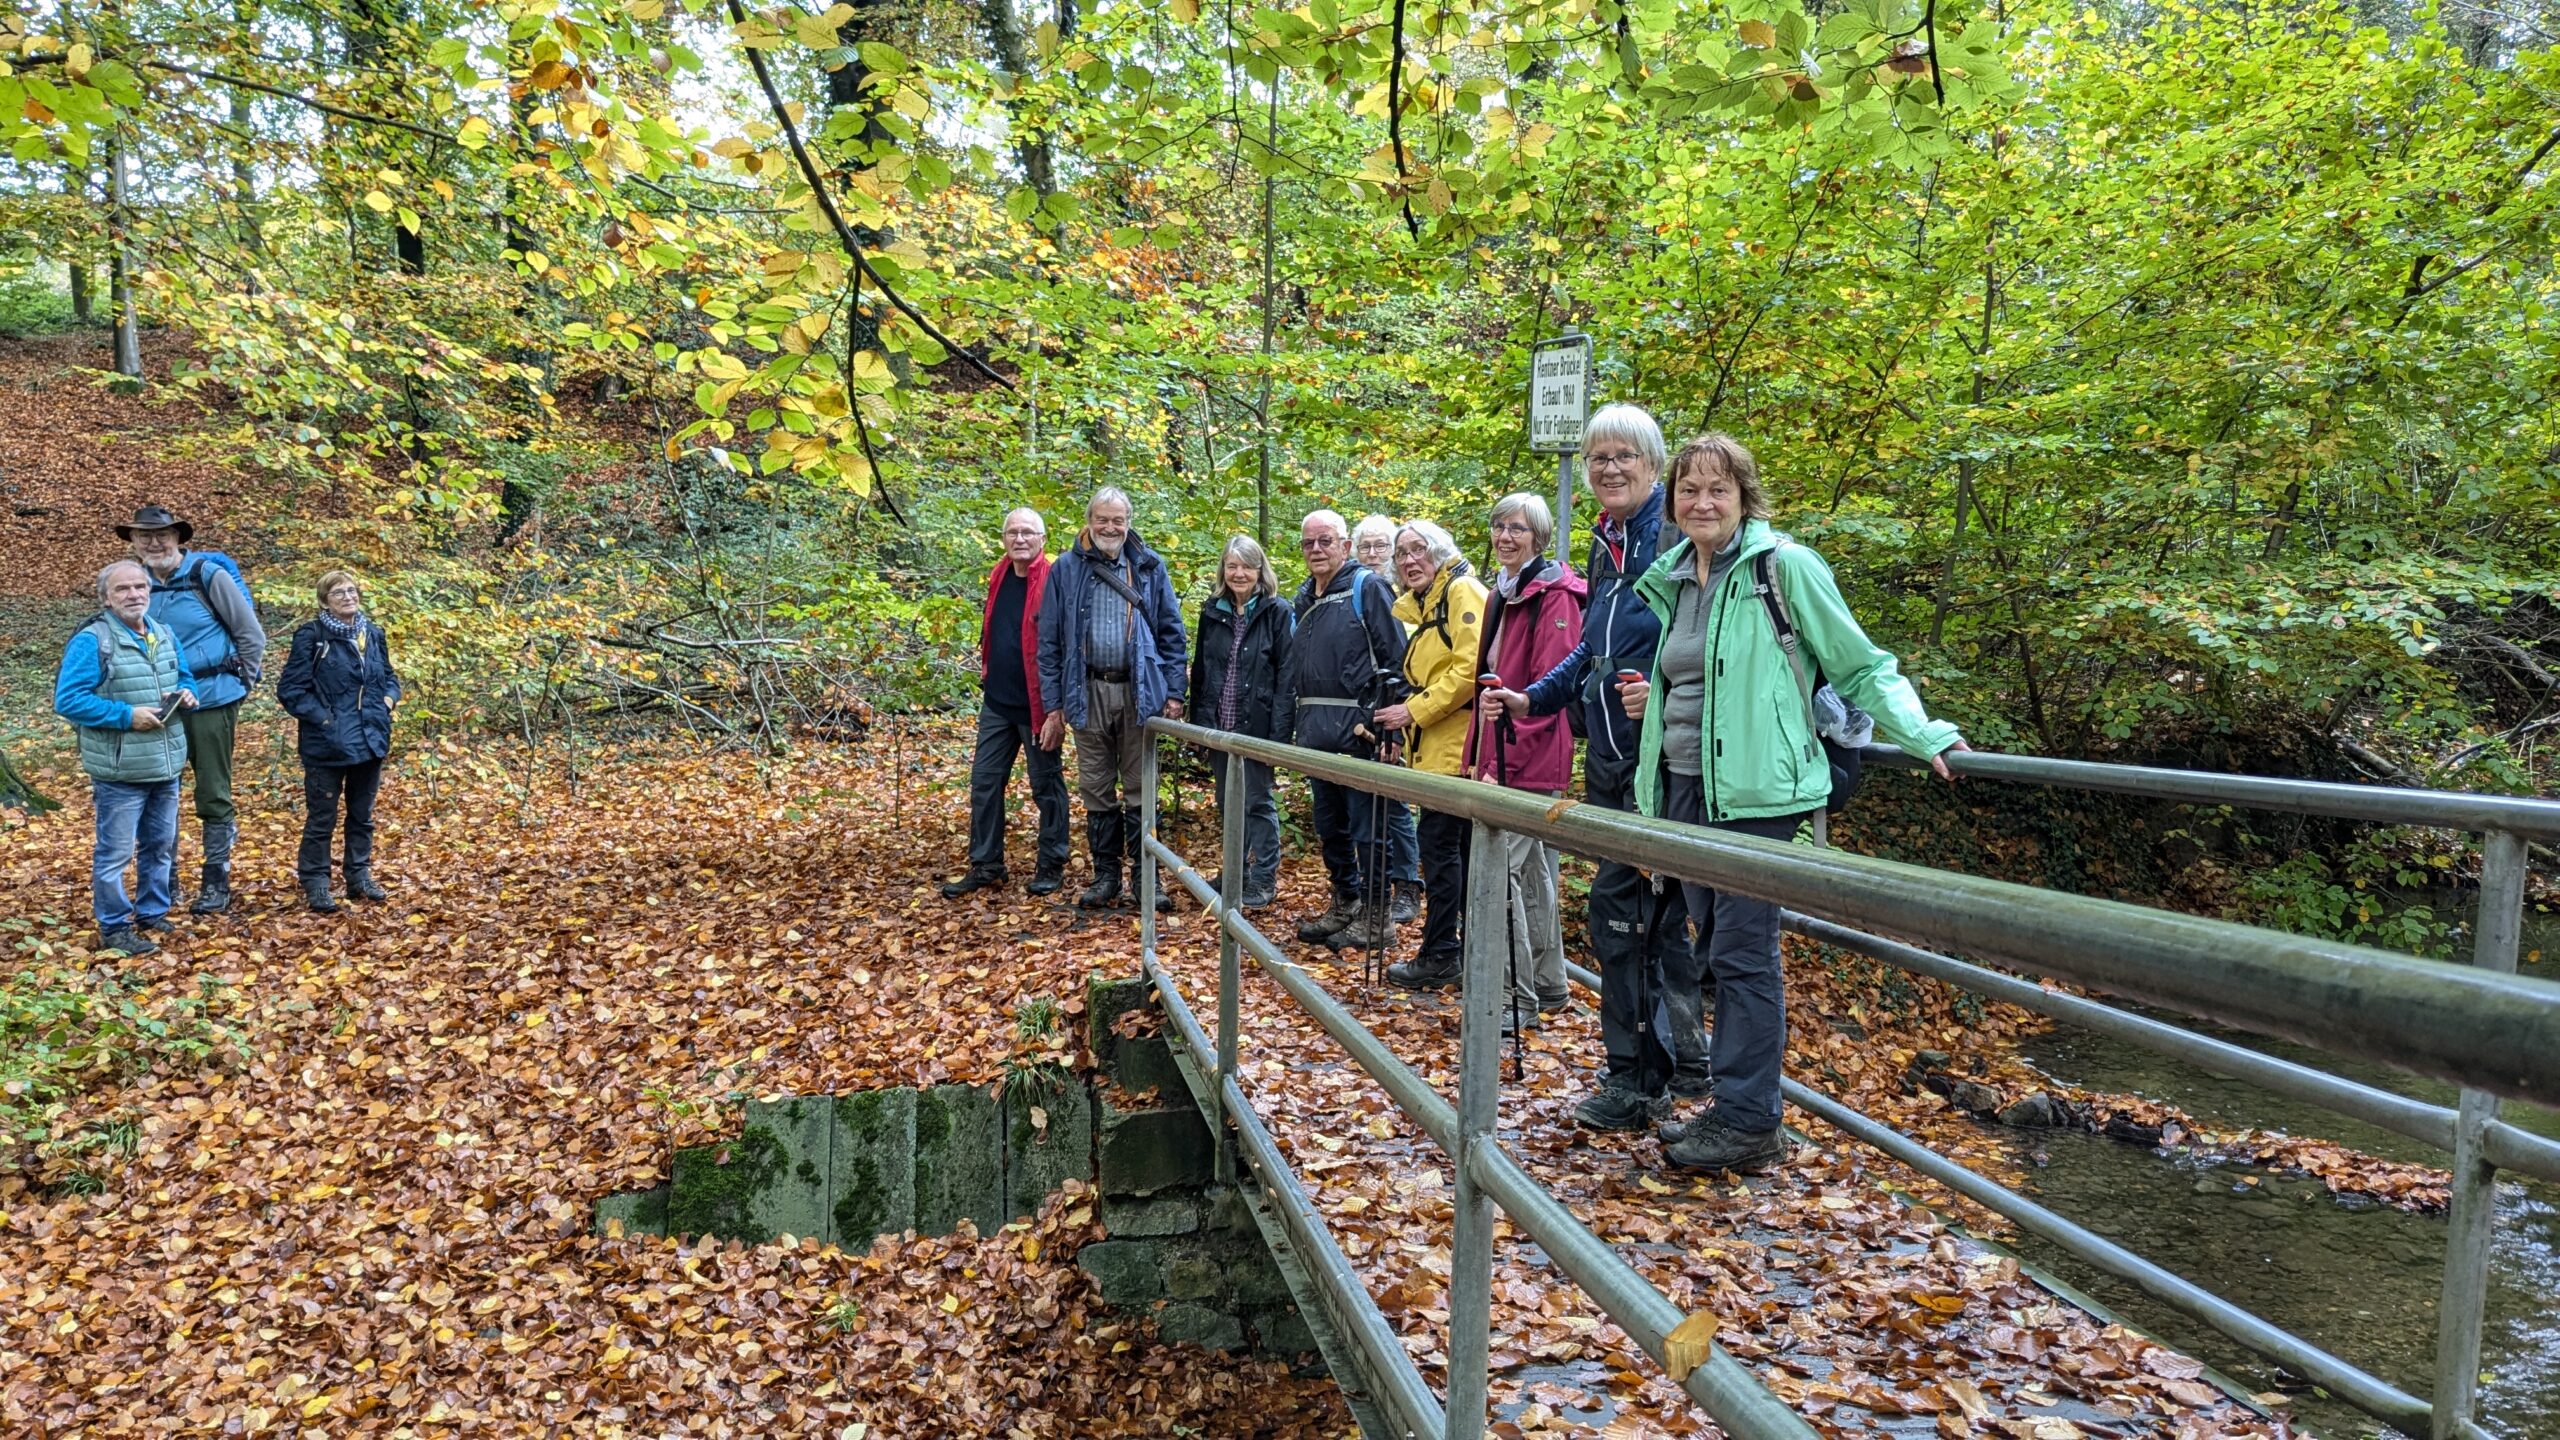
pixel 1510 937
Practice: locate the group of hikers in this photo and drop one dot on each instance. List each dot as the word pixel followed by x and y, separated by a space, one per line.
pixel 1707 661
pixel 152 686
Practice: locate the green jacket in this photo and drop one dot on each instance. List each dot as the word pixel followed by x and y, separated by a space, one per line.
pixel 1761 755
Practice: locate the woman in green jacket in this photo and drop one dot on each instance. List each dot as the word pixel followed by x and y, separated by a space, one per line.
pixel 1731 745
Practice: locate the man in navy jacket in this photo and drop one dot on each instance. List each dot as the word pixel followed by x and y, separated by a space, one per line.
pixel 1113 655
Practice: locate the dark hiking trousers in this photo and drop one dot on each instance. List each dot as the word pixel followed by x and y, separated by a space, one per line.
pixel 1738 944
pixel 1000 739
pixel 323 786
pixel 1632 928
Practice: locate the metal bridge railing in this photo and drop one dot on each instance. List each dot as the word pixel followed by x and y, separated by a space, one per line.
pixel 2483 1028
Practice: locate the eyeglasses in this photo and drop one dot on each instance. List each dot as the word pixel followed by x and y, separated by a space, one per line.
pixel 1025 534
pixel 1319 542
pixel 1510 528
pixel 1622 460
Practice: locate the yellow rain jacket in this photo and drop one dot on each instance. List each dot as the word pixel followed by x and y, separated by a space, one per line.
pixel 1439 662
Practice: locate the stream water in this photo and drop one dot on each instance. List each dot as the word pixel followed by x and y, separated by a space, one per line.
pixel 2359 1279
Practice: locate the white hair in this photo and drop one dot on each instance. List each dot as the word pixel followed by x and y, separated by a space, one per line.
pixel 1369 525
pixel 1330 519
pixel 1629 425
pixel 1106 494
pixel 1027 510
pixel 1436 542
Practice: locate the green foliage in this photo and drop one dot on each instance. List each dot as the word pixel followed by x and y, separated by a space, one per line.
pixel 64 1034
pixel 2364 893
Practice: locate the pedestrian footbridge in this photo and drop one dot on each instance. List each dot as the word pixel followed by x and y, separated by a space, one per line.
pixel 1489 1216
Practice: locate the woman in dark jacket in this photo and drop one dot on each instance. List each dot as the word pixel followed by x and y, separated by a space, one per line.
pixel 1240 682
pixel 340 685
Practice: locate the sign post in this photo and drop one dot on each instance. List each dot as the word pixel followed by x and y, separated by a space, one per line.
pixel 1559 402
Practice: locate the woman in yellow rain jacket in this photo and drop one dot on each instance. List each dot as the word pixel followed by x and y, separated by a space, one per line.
pixel 1442 609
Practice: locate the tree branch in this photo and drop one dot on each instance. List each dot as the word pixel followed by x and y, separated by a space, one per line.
pixel 1395 120
pixel 324 107
pixel 835 217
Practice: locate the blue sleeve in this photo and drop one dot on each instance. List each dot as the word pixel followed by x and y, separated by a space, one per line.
pixel 1173 648
pixel 294 684
pixel 1551 692
pixel 186 677
pixel 395 689
pixel 75 688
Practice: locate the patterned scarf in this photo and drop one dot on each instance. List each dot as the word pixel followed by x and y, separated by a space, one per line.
pixel 351 631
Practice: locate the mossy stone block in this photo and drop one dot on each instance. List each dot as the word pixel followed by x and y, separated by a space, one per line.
pixel 1162 1148
pixel 1140 1219
pixel 1256 1280
pixel 1194 1277
pixel 715 1189
pixel 640 1212
pixel 1143 1064
pixel 1227 1213
pixel 959 1159
pixel 1043 1150
pixel 871 1189
pixel 1106 1001
pixel 1282 1332
pixel 1130 1273
pixel 795 1204
pixel 1186 1324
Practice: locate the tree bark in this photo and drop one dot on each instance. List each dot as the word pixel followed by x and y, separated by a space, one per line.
pixel 128 339
pixel 1010 41
pixel 17 792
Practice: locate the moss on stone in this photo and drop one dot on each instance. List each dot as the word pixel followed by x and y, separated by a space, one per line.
pixel 710 1195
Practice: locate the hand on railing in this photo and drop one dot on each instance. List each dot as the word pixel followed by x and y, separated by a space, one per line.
pixel 1938 762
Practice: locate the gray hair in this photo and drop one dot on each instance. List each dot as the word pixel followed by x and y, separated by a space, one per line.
pixel 112 567
pixel 1373 525
pixel 1630 425
pixel 1529 507
pixel 1107 493
pixel 1007 522
pixel 1436 542
pixel 1266 582
pixel 1332 521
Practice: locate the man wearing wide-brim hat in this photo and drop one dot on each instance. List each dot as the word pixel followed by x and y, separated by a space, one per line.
pixel 203 603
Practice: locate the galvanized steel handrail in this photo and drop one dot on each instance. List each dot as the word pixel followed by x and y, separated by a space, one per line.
pixel 2378 804
pixel 2492 1032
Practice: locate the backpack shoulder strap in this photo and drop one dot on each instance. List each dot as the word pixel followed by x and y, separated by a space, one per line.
pixel 97 626
pixel 1764 582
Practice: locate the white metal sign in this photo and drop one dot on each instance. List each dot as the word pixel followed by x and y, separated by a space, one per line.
pixel 1559 394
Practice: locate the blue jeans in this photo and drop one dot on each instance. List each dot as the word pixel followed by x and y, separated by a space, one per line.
pixel 137 825
pixel 1404 847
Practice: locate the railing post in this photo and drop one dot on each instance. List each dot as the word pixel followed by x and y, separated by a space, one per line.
pixel 1146 857
pixel 1481 999
pixel 1230 958
pixel 2475 1181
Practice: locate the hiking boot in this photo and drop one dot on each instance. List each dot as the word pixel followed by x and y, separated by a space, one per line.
pixel 1164 887
pixel 1369 930
pixel 1709 1144
pixel 1527 1019
pixel 214 895
pixel 126 941
pixel 1421 974
pixel 1320 929
pixel 1551 1001
pixel 1102 836
pixel 1047 880
pixel 360 885
pixel 1406 907
pixel 979 878
pixel 1619 1105
pixel 1687 1085
pixel 315 893
pixel 156 925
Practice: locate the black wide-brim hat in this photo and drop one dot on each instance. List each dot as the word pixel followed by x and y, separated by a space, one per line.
pixel 155 517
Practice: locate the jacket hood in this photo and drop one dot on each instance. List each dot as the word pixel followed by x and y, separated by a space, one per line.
pixel 1553 575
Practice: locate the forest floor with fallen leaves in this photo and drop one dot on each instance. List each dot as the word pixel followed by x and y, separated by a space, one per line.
pixel 372 1211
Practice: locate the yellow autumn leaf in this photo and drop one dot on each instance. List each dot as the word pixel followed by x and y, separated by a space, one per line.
pixel 377 202
pixel 1689 1344
pixel 1759 34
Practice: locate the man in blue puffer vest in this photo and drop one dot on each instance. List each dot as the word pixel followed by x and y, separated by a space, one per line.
pixel 217 625
pixel 121 675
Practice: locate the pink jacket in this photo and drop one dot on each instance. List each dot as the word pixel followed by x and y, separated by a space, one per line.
pixel 1524 639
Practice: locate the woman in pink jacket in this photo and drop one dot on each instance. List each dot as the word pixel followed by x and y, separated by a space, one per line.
pixel 1532 621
